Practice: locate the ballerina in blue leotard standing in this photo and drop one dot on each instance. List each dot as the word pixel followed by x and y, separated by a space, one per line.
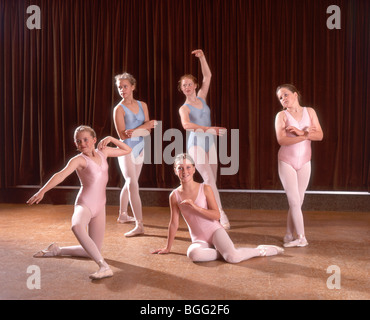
pixel 196 118
pixel 131 119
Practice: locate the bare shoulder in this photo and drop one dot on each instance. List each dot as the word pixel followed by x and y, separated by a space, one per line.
pixel 280 116
pixel 144 104
pixel 118 109
pixel 184 108
pixel 77 162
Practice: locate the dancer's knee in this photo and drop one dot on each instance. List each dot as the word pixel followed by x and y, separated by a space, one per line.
pixel 231 257
pixel 295 202
pixel 194 255
pixel 131 184
pixel 77 228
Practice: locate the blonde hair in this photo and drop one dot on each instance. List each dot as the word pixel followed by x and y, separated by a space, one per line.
pixel 183 156
pixel 126 76
pixel 84 128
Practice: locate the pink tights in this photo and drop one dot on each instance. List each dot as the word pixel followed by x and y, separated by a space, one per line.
pixel 295 183
pixel 221 246
pixel 91 240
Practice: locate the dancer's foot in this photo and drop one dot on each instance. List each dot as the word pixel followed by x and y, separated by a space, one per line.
pixel 138 230
pixel 288 238
pixel 300 242
pixel 51 251
pixel 224 220
pixel 125 218
pixel 104 271
pixel 269 250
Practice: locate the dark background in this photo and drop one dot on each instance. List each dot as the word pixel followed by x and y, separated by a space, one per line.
pixel 56 78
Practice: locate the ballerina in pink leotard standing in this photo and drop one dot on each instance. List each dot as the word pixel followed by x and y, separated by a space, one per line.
pixel 92 169
pixel 296 127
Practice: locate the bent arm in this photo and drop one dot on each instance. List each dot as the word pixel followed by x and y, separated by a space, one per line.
pixel 121 148
pixel 212 212
pixel 316 133
pixel 281 136
pixel 119 122
pixel 185 120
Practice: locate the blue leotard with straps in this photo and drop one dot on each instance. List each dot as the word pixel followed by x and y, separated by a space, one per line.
pixel 132 121
pixel 201 117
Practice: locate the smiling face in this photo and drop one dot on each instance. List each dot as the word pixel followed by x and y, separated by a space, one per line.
pixel 85 142
pixel 185 170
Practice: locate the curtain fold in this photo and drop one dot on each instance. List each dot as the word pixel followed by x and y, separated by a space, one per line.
pixel 61 76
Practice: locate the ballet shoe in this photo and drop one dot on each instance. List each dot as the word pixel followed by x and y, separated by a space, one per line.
pixel 269 250
pixel 138 230
pixel 300 242
pixel 288 238
pixel 224 220
pixel 51 251
pixel 125 218
pixel 102 273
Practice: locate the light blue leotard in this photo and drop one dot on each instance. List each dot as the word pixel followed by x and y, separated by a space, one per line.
pixel 201 117
pixel 132 121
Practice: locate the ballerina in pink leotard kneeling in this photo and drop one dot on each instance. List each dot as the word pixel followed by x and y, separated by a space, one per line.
pixel 89 212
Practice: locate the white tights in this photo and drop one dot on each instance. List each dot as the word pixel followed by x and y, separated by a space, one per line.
pixel 89 232
pixel 295 183
pixel 223 247
pixel 130 191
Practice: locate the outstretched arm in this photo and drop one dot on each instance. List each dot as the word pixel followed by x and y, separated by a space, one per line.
pixel 57 178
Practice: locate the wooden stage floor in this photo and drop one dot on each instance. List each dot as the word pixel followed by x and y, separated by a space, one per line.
pixel 339 239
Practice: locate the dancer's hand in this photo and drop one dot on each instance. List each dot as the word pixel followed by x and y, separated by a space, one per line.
pixel 198 53
pixel 161 251
pixel 294 130
pixel 188 202
pixel 36 198
pixel 104 143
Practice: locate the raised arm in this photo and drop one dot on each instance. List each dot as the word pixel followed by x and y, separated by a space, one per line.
pixel 121 148
pixel 206 72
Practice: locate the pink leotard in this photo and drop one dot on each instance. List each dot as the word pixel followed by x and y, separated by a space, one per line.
pixel 93 180
pixel 299 153
pixel 200 228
